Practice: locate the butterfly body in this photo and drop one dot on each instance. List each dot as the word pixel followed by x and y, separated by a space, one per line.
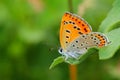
pixel 76 36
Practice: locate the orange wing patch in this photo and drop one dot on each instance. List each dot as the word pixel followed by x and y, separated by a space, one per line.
pixel 72 26
pixel 102 39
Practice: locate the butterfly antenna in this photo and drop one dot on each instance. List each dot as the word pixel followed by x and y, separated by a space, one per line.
pixel 54 48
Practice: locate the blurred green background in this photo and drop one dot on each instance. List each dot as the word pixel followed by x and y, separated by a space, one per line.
pixel 29 40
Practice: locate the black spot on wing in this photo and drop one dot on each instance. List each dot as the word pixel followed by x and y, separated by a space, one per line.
pixel 85 29
pixel 73 45
pixel 66 42
pixel 70 22
pixel 73 23
pixel 67 36
pixel 83 36
pixel 75 27
pixel 77 47
pixel 83 25
pixel 80 33
pixel 76 41
pixel 78 28
pixel 67 31
pixel 79 22
pixel 81 44
pixel 91 37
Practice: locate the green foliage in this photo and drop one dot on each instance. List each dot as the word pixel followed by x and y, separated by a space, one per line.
pixel 27 35
pixel 108 51
pixel 108 24
pixel 112 18
pixel 57 61
pixel 72 61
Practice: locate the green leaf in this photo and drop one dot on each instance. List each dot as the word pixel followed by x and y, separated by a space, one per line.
pixel 72 61
pixel 111 21
pixel 89 52
pixel 109 51
pixel 112 18
pixel 57 61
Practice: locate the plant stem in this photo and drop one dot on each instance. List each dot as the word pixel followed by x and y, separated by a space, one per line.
pixel 70 5
pixel 73 72
pixel 72 68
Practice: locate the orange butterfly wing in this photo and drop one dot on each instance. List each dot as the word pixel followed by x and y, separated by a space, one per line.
pixel 72 26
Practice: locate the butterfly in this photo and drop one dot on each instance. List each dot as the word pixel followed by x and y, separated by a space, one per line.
pixel 76 36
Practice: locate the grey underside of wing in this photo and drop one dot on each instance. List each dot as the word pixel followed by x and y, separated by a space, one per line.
pixel 82 43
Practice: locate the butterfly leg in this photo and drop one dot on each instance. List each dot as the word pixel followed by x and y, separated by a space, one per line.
pixel 66 56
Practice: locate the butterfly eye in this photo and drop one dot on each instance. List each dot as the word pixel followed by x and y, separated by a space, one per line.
pixel 60 50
